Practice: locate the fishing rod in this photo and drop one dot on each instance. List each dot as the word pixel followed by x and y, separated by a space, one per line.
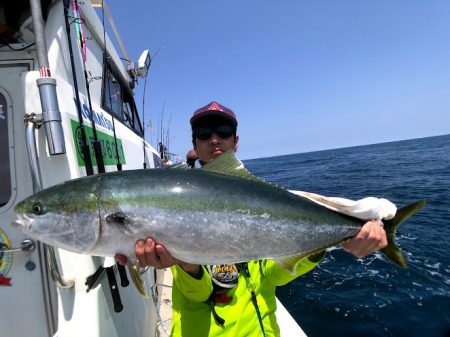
pixel 93 279
pixel 84 144
pixel 81 38
pixel 168 131
pixel 105 69
pixel 161 134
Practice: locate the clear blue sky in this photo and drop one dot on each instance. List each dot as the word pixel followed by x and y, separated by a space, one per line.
pixel 300 75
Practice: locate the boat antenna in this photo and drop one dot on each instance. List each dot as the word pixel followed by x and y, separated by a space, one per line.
pixel 143 108
pixel 143 122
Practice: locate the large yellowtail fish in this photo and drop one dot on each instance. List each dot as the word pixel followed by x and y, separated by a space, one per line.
pixel 219 214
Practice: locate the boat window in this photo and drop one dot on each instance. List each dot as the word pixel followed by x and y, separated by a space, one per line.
pixel 5 174
pixel 112 94
pixel 131 111
pixel 118 100
pixel 127 114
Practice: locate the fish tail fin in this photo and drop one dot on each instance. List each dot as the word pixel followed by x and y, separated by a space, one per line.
pixel 392 251
pixel 136 278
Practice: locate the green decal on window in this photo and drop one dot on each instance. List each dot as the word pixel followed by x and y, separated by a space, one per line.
pixel 107 142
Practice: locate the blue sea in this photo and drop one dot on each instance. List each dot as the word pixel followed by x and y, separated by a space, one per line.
pixel 346 296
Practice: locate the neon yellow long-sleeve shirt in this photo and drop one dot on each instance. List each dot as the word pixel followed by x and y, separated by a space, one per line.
pixel 192 315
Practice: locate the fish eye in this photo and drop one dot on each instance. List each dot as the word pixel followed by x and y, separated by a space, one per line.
pixel 38 208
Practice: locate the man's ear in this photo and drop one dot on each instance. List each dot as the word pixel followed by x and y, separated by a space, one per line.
pixel 236 143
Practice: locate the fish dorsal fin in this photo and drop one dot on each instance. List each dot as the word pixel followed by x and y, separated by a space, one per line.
pixel 229 165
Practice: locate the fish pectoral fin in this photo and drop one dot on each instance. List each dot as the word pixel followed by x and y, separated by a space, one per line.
pixel 290 262
pixel 133 268
pixel 121 220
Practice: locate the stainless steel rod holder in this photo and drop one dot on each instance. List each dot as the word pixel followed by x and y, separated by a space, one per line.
pixel 26 246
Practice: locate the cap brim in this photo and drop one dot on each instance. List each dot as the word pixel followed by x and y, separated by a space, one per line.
pixel 213 113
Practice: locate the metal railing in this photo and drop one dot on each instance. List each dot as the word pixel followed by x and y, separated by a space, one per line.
pixel 31 121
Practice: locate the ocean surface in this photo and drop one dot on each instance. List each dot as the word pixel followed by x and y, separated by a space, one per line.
pixel 346 296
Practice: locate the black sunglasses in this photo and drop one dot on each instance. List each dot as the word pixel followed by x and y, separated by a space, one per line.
pixel 204 132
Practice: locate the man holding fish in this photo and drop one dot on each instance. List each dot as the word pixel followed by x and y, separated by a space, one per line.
pixel 236 299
